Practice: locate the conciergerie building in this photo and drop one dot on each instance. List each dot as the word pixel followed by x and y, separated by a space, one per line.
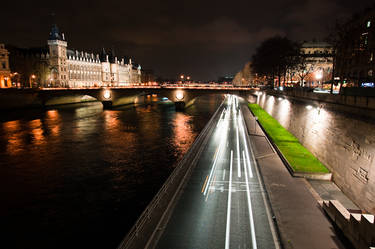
pixel 73 69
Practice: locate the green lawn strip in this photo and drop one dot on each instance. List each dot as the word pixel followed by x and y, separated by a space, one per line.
pixel 299 158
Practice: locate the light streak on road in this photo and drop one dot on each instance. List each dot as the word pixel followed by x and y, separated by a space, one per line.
pixel 227 231
pixel 246 148
pixel 238 153
pixel 223 127
pixel 227 219
pixel 252 226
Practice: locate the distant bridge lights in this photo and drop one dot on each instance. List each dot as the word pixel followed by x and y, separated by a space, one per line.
pixel 179 96
pixel 107 94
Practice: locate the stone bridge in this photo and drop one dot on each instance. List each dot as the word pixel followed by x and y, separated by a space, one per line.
pixel 110 97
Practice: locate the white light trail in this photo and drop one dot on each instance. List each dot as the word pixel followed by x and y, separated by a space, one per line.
pixel 252 226
pixel 213 167
pixel 246 148
pixel 224 127
pixel 238 153
pixel 227 233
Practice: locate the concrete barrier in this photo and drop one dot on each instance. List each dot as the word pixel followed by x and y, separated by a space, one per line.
pixel 358 228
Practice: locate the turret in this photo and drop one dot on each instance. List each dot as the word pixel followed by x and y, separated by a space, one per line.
pixel 57 60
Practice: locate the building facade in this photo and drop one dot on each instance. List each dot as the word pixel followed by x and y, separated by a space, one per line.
pixel 30 66
pixel 5 76
pixel 355 62
pixel 317 64
pixel 81 69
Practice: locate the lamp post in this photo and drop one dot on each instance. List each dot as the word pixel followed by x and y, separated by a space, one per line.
pixel 6 81
pixel 31 79
pixel 16 77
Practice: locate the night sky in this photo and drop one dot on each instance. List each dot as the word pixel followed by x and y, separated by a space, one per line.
pixel 204 39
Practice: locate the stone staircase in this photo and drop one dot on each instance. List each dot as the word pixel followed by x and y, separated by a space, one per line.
pixel 358 228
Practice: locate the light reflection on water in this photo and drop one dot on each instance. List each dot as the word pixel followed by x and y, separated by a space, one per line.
pixel 78 176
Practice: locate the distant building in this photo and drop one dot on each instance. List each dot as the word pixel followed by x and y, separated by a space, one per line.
pixel 147 76
pixel 225 80
pixel 355 62
pixel 29 66
pixel 81 69
pixel 58 66
pixel 5 77
pixel 318 58
pixel 245 77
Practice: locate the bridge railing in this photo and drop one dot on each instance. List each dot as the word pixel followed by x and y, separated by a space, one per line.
pixel 167 193
pixel 183 86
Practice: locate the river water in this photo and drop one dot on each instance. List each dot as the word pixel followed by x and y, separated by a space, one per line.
pixel 78 176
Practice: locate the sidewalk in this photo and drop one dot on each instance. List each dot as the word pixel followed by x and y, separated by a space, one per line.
pixel 300 220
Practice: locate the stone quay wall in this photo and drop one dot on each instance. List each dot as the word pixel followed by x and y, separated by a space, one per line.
pixel 343 141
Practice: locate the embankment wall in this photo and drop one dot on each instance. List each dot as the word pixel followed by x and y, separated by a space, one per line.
pixel 343 141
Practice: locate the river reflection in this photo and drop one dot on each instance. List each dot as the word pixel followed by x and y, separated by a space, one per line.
pixel 79 176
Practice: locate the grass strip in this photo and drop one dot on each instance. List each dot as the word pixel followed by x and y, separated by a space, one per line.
pixel 299 158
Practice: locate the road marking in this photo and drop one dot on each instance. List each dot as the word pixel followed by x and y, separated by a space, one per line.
pixel 238 153
pixel 205 182
pixel 252 226
pixel 227 233
pixel 215 154
pixel 224 175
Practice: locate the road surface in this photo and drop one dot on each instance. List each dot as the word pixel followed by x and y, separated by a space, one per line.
pixel 223 205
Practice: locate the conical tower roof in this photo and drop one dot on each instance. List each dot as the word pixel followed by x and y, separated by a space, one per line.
pixel 55 34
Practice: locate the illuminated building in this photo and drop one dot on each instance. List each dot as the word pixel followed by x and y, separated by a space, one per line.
pixel 81 69
pixel 319 63
pixel 55 65
pixel 5 79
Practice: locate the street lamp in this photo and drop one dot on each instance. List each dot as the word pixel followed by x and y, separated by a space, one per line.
pixel 319 76
pixel 31 79
pixel 6 81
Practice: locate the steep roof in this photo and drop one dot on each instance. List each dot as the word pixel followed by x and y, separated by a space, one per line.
pixel 55 34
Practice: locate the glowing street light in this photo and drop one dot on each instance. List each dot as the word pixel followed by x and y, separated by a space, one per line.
pixel 179 96
pixel 319 76
pixel 107 94
pixel 32 79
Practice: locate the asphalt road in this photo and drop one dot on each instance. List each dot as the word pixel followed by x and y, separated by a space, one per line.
pixel 223 204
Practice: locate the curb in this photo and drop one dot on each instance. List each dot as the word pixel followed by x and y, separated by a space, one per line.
pixel 307 175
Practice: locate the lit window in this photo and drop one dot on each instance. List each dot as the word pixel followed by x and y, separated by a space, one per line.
pixel 368 24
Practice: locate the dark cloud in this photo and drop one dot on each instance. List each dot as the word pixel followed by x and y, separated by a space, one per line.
pixel 203 38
